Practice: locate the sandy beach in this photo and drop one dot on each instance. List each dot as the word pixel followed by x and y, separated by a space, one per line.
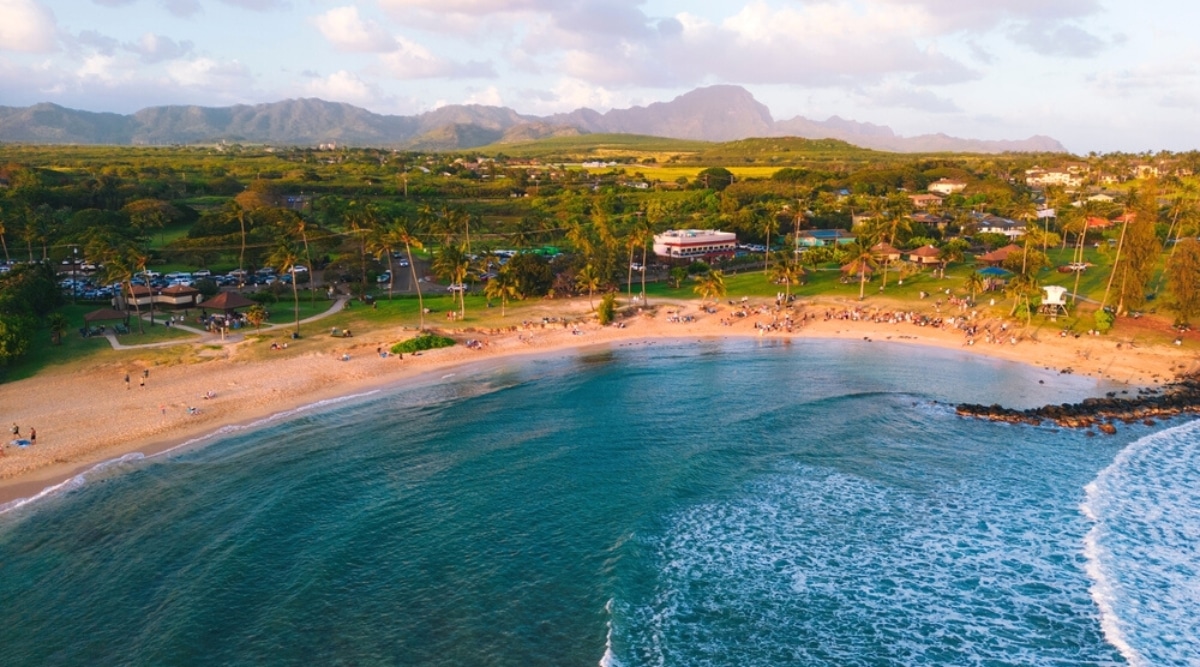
pixel 87 415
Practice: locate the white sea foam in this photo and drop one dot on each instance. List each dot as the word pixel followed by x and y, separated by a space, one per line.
pixel 609 659
pixel 1141 550
pixel 829 568
pixel 82 478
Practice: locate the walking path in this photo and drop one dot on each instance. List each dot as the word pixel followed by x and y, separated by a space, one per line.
pixel 211 338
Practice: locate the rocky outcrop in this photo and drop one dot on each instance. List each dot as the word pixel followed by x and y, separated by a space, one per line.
pixel 1148 407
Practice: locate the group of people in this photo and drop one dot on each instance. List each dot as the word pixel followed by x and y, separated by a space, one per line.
pixel 22 442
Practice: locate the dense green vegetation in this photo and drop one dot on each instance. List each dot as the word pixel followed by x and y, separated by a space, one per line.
pixel 422 343
pixel 570 215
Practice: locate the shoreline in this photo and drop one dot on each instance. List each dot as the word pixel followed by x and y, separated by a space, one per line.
pixel 86 418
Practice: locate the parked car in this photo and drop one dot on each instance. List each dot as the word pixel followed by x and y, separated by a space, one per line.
pixel 384 277
pixel 456 287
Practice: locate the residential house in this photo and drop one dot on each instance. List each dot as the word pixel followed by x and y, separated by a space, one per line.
pixel 885 252
pixel 925 201
pixel 997 257
pixel 994 224
pixel 947 186
pixel 926 255
pixel 1052 177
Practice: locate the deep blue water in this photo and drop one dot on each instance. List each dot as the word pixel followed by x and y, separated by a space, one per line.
pixel 715 503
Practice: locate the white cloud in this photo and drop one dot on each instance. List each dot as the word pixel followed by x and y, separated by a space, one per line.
pixel 489 96
pixel 97 66
pixel 412 61
pixel 342 86
pixel 155 48
pixel 209 73
pixel 952 15
pixel 346 31
pixel 27 26
pixel 1057 40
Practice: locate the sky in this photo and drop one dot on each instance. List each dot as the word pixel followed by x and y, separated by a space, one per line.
pixel 1098 75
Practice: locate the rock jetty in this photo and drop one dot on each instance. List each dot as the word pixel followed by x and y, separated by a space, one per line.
pixel 1180 397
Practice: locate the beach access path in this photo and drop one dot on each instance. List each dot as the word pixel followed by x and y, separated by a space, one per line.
pixel 210 338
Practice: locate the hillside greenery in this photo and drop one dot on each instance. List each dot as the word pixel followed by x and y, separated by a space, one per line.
pixel 571 214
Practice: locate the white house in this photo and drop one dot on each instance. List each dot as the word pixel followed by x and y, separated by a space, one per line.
pixel 695 244
pixel 947 186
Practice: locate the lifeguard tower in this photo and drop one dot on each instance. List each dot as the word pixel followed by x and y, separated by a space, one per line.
pixel 1054 301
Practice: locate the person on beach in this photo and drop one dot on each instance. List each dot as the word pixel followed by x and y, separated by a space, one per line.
pixel 16 430
pixel 142 382
pixel 32 436
pixel 127 381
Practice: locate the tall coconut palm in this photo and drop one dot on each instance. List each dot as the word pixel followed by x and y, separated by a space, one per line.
pixel 588 280
pixel 296 225
pixel 862 262
pixel 406 232
pixel 382 241
pixel 452 263
pixel 114 254
pixel 1024 288
pixel 361 218
pixel 502 286
pixel 788 273
pixel 284 256
pixel 769 223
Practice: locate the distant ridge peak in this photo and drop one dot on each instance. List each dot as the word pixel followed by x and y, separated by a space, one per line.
pixel 722 112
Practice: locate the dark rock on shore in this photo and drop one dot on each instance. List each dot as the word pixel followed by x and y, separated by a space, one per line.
pixel 1177 398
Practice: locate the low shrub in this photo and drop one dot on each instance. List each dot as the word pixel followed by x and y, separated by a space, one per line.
pixel 422 342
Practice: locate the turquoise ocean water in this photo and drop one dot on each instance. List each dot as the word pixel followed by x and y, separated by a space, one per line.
pixel 708 503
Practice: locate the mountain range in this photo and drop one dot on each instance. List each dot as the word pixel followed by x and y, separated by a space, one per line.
pixel 714 113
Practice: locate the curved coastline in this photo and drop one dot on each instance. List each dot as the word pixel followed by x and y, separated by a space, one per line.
pixel 110 425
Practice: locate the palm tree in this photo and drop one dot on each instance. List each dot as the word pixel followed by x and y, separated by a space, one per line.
pixel 58 326
pixel 382 241
pixel 235 211
pixel 406 232
pixel 953 251
pixel 362 217
pixel 297 225
pixel 114 254
pixel 502 286
pixel 285 255
pixel 1023 288
pixel 452 262
pixel 788 273
pixel 588 279
pixel 897 221
pixel 974 284
pixel 769 224
pixel 256 315
pixel 862 261
pixel 711 286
